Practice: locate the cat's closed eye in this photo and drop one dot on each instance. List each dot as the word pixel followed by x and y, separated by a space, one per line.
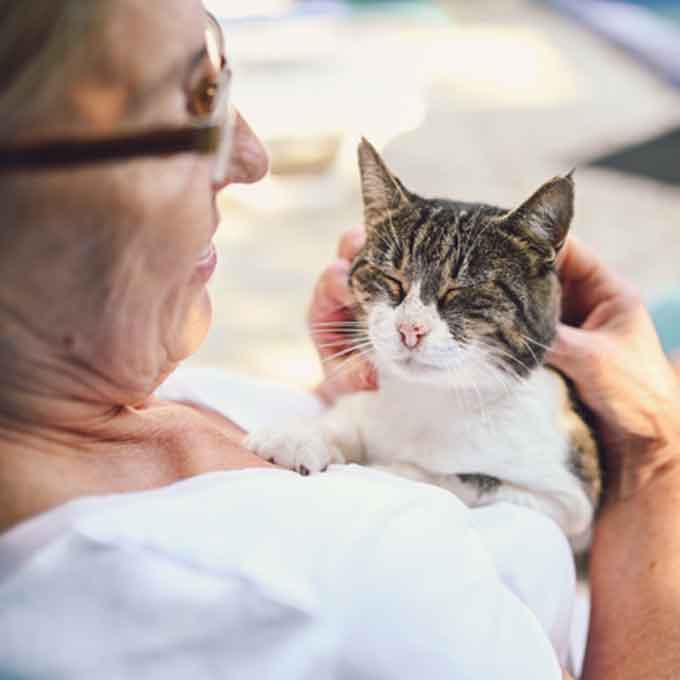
pixel 449 294
pixel 393 287
pixel 452 292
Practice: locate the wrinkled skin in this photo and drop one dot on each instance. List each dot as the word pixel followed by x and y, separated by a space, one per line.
pixel 100 293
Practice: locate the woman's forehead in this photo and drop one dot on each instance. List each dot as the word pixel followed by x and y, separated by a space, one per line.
pixel 153 40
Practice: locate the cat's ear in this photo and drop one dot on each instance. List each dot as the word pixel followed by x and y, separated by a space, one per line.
pixel 381 190
pixel 546 216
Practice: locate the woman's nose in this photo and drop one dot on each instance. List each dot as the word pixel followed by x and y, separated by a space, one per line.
pixel 249 159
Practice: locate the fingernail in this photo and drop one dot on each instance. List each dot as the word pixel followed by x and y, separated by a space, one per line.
pixel 368 378
pixel 358 239
pixel 340 266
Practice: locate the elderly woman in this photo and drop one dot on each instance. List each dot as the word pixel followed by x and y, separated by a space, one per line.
pixel 117 136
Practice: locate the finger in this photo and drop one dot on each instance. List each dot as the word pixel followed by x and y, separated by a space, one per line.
pixel 351 242
pixel 331 296
pixel 368 377
pixel 570 350
pixel 587 282
pixel 364 378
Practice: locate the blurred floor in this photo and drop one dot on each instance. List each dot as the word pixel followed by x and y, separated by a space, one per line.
pixel 485 106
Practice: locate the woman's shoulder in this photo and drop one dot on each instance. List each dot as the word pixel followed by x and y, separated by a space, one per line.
pixel 246 400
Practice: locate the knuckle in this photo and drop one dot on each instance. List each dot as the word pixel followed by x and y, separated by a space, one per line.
pixel 596 359
pixel 632 298
pixel 351 241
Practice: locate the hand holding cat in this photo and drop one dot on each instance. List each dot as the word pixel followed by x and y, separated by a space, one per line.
pixel 608 346
pixel 331 320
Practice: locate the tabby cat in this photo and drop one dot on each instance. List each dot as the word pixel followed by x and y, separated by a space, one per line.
pixel 456 304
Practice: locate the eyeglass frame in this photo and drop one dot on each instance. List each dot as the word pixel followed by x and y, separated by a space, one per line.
pixel 212 136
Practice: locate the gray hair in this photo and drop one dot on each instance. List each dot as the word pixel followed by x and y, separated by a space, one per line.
pixel 39 41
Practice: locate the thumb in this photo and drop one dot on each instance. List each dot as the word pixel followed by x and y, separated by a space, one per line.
pixel 569 351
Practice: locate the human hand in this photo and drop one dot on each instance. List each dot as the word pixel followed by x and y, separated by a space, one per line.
pixel 608 346
pixel 333 326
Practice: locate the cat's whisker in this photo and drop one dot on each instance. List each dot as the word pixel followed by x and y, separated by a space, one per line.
pixel 481 365
pixel 352 346
pixel 344 342
pixel 503 369
pixel 330 330
pixel 348 350
pixel 511 372
pixel 495 374
pixel 337 324
pixel 338 343
pixel 349 363
pixel 498 351
pixel 326 340
pixel 339 334
pixel 542 346
pixel 531 351
pixel 344 331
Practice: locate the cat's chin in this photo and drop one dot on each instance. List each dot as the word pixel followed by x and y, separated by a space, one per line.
pixel 413 370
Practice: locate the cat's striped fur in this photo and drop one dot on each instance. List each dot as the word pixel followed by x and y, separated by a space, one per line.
pixel 467 403
pixel 491 273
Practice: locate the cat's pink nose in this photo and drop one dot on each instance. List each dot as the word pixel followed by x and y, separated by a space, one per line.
pixel 413 333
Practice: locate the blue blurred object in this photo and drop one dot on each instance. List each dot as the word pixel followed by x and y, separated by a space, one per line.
pixel 666 316
pixel 650 30
pixel 428 9
pixel 668 9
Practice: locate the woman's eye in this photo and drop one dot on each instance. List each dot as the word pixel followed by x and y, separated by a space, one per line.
pixel 204 97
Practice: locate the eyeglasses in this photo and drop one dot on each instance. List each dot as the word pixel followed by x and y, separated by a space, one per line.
pixel 212 133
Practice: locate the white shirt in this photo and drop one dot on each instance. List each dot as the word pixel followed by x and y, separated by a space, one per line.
pixel 264 574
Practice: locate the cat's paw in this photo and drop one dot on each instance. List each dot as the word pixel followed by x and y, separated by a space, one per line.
pixel 305 450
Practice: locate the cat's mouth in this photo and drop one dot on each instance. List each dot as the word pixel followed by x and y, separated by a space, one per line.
pixel 413 366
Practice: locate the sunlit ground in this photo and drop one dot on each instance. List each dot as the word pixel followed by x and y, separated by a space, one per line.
pixel 483 105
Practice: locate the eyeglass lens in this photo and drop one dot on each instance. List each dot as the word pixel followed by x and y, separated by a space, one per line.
pixel 223 114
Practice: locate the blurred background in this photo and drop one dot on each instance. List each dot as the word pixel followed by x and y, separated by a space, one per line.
pixel 468 99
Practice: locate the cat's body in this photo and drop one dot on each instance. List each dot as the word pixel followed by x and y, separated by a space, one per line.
pixel 456 304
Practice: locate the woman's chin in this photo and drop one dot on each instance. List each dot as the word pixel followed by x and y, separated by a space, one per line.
pixel 195 328
pixel 206 264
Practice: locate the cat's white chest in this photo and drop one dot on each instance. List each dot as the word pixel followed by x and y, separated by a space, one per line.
pixel 431 434
pixel 412 426
pixel 449 432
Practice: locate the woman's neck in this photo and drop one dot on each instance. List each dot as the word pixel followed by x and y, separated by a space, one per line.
pixel 111 450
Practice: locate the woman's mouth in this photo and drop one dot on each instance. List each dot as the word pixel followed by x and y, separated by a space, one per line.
pixel 206 263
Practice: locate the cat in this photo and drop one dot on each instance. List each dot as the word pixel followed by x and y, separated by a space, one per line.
pixel 456 305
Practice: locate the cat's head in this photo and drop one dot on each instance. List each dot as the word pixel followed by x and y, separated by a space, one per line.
pixel 457 293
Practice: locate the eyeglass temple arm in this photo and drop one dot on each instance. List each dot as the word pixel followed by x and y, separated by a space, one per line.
pixel 162 142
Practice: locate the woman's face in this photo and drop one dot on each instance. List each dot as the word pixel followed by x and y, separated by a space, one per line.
pixel 142 247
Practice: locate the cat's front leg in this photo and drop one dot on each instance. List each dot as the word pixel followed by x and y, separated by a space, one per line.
pixel 310 447
pixel 303 447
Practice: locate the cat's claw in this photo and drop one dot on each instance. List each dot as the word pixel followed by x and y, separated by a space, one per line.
pixel 304 450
